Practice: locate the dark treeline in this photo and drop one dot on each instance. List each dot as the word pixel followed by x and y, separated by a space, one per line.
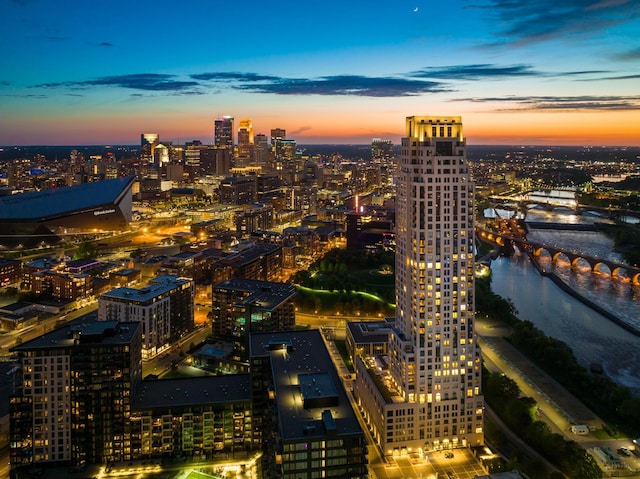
pixel 518 412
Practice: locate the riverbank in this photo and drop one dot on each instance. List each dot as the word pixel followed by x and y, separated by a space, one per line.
pixel 584 300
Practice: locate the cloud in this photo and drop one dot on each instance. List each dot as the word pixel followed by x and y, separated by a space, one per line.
pixel 584 72
pixel 547 103
pixel 105 44
pixel 633 54
pixel 139 81
pixel 300 130
pixel 475 72
pixel 354 85
pixel 249 77
pixel 4 83
pixel 486 71
pixel 541 20
pixel 28 95
pixel 619 77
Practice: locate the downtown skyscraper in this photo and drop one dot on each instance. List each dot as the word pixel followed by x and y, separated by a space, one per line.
pixel 223 132
pixel 425 393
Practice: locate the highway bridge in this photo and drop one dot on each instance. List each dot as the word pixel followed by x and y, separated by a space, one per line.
pixel 561 199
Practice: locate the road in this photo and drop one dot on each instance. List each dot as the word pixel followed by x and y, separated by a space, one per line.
pixel 161 363
pixel 558 408
pixel 9 339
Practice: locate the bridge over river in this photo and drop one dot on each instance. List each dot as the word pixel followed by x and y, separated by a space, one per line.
pixel 598 265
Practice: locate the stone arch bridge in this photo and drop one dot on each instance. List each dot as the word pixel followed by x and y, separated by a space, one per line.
pixel 615 270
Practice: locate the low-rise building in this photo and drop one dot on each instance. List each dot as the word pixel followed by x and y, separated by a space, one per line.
pixel 10 271
pixel 192 417
pixel 368 337
pixel 260 261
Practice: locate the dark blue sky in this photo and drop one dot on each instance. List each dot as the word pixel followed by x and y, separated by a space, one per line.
pixel 542 71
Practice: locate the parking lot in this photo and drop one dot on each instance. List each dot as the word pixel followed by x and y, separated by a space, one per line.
pixel 450 464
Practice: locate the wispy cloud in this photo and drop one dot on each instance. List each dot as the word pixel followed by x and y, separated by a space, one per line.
pixel 539 20
pixel 629 55
pixel 583 72
pixel 26 95
pixel 475 72
pixel 4 83
pixel 354 85
pixel 618 77
pixel 105 44
pixel 546 103
pixel 237 76
pixel 424 81
pixel 302 129
pixel 139 81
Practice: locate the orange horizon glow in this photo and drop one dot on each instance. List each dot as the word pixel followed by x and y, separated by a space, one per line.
pixel 611 128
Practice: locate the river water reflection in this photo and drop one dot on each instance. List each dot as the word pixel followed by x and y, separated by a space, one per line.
pixel 591 336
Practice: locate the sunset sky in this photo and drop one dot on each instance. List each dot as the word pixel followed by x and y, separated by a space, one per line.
pixel 518 72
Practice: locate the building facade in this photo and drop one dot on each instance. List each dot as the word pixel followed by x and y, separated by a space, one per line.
pixel 241 306
pixel 428 395
pixel 164 308
pixel 72 402
pixel 192 416
pixel 223 132
pixel 302 418
pixel 148 144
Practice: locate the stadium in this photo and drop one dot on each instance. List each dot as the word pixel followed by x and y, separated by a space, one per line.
pixel 29 220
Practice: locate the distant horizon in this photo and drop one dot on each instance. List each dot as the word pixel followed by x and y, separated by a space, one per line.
pixel 134 145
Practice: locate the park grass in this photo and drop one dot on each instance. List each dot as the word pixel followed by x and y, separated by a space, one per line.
pixel 201 475
pixel 331 302
pixel 608 433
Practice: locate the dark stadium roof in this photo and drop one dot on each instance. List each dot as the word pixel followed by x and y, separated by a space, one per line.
pixel 55 202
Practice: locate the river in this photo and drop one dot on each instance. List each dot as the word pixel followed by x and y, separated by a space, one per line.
pixel 591 336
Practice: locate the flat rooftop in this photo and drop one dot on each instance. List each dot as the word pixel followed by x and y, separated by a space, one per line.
pixel 251 254
pixel 368 332
pixel 309 395
pixel 267 295
pixel 157 286
pixel 181 392
pixel 88 333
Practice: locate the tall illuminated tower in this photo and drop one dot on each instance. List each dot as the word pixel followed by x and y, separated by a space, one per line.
pixel 245 142
pixel 223 132
pixel 432 398
pixel 148 144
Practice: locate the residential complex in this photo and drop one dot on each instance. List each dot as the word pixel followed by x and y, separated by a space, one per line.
pixel 164 308
pixel 425 392
pixel 241 306
pixel 72 400
pixel 306 425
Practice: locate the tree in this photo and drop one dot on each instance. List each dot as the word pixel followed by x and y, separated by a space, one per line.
pixel 86 250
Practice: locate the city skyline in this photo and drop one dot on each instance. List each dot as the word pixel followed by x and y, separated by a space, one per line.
pixel 534 73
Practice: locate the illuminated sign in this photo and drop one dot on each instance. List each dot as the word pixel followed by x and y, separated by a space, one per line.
pixel 103 212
